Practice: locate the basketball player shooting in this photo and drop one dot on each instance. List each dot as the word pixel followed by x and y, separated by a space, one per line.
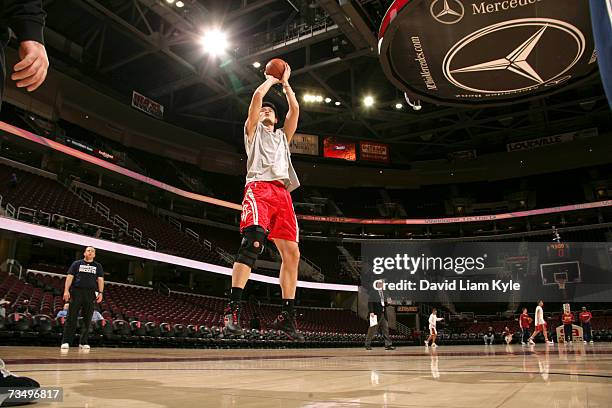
pixel 267 208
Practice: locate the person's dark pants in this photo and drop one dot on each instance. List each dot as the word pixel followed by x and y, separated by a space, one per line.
pixel 384 328
pixel 567 331
pixel 525 335
pixel 586 332
pixel 81 300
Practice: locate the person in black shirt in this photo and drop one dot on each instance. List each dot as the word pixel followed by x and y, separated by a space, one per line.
pixel 378 308
pixel 84 276
pixel 26 18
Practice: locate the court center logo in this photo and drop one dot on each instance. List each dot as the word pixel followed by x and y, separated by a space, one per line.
pixel 447 11
pixel 526 54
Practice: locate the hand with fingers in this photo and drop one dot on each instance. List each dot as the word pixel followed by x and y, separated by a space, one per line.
pixel 273 79
pixel 286 75
pixel 31 70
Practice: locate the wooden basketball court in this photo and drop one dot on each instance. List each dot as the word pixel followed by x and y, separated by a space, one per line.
pixel 459 376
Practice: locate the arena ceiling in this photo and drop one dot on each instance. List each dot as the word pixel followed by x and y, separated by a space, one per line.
pixel 152 47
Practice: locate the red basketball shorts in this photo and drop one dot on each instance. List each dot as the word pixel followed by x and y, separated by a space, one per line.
pixel 268 204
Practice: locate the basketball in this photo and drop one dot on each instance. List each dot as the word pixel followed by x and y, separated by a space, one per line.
pixel 276 68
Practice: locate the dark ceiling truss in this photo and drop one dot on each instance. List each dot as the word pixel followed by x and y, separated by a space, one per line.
pixel 197 90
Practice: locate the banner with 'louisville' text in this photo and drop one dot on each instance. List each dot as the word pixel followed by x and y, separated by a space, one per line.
pixel 514 272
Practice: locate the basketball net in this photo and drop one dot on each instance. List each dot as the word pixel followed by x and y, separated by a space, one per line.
pixel 562 282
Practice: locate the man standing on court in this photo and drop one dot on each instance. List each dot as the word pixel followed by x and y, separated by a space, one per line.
pixel 524 323
pixel 267 208
pixel 568 320
pixel 433 331
pixel 585 322
pixel 378 309
pixel 540 324
pixel 84 277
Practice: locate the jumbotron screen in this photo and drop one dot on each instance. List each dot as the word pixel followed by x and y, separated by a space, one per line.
pixel 339 149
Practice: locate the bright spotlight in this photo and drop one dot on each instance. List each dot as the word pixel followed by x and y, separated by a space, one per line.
pixel 398 106
pixel 337 103
pixel 319 98
pixel 368 101
pixel 169 1
pixel 179 4
pixel 308 98
pixel 327 100
pixel 214 42
pixel 256 64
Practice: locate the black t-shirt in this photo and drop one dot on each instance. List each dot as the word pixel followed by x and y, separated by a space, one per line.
pixel 490 333
pixel 85 274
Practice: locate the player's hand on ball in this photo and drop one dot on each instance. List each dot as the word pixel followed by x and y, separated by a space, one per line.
pixel 274 80
pixel 286 74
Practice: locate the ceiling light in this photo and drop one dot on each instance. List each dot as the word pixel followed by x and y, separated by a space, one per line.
pixel 179 4
pixel 256 64
pixel 368 101
pixel 214 42
pixel 398 106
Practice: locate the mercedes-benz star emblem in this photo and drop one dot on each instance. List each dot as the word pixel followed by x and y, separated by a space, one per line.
pixel 447 14
pixel 517 60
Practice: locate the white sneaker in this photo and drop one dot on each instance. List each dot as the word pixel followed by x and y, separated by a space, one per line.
pixel 434 345
pixel 551 342
pixel 84 347
pixel 65 346
pixel 570 342
pixel 522 343
pixel 531 342
pixel 591 342
pixel 585 342
pixel 427 344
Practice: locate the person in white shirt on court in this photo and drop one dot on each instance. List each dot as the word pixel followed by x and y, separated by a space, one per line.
pixel 540 324
pixel 433 320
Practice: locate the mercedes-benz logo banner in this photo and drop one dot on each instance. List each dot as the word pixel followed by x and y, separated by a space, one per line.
pixel 486 52
pixel 513 272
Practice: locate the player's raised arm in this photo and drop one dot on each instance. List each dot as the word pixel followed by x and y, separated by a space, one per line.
pixel 291 120
pixel 255 106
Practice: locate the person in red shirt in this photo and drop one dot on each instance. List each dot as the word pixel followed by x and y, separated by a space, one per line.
pixel 524 323
pixel 585 322
pixel 568 319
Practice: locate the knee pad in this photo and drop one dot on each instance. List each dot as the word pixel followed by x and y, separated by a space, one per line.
pixel 252 245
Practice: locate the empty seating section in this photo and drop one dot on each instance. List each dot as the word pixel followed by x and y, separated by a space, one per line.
pixel 168 238
pixel 128 310
pixel 44 194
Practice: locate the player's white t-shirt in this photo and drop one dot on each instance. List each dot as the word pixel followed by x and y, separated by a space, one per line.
pixel 539 316
pixel 433 320
pixel 269 157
